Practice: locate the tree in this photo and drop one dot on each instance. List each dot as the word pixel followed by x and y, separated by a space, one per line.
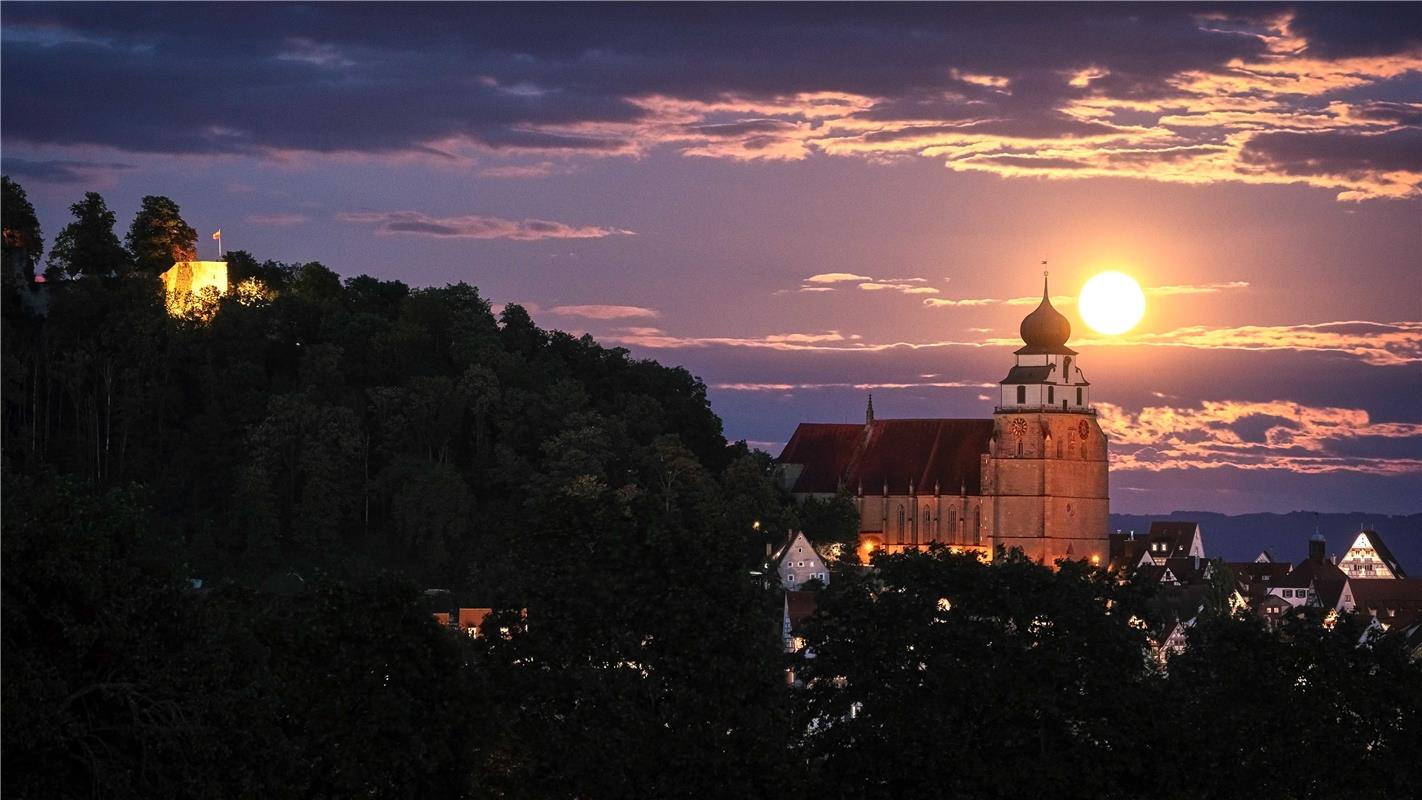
pixel 23 241
pixel 88 245
pixel 159 237
pixel 939 675
pixel 831 521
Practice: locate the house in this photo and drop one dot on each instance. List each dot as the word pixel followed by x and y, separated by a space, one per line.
pixel 1253 579
pixel 797 563
pixel 1168 540
pixel 1315 581
pixel 1396 603
pixel 1369 557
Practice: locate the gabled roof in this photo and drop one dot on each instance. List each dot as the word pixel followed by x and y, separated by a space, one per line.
pixel 897 453
pixel 1253 578
pixel 1176 535
pixel 1184 571
pixel 1375 541
pixel 1312 573
pixel 826 451
pixel 783 553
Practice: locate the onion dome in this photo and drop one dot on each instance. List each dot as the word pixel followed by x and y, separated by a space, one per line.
pixel 1045 330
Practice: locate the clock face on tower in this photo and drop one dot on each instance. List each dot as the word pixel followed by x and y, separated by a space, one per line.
pixel 1019 427
pixel 1083 428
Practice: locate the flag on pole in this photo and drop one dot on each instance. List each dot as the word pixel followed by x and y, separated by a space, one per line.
pixel 218 235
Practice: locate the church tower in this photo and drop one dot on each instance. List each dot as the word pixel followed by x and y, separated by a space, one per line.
pixel 1044 477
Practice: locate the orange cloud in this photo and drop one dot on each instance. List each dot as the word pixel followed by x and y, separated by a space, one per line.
pixel 787 387
pixel 1376 343
pixel 1270 435
pixel 604 312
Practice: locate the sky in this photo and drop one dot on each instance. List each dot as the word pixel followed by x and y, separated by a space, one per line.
pixel 803 204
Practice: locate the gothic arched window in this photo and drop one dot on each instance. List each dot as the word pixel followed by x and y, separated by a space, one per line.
pixel 977 524
pixel 901 524
pixel 925 525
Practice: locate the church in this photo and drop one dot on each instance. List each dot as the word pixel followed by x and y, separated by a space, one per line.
pixel 1033 477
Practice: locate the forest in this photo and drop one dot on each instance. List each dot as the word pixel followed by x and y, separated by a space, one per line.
pixel 219 529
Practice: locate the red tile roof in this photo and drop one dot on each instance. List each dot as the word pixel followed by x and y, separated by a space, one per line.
pixel 1394 601
pixel 895 452
pixel 472 617
pixel 800 606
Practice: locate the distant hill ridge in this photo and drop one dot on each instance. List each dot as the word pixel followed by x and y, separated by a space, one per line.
pixel 1285 536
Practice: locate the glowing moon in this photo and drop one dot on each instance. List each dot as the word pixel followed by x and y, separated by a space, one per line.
pixel 1112 303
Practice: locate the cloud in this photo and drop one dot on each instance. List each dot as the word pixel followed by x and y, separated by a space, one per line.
pixel 61 170
pixel 1065 299
pixel 542 169
pixel 788 387
pixel 1391 160
pixel 829 341
pixel 1259 94
pixel 905 288
pixel 1278 435
pixel 473 227
pixel 1202 288
pixel 827 282
pixel 276 219
pixel 605 312
pixel 969 302
pixel 1382 344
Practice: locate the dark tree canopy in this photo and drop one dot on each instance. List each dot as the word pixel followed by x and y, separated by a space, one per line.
pixel 22 240
pixel 159 237
pixel 88 245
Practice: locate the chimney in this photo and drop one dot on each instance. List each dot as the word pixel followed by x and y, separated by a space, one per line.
pixel 1316 546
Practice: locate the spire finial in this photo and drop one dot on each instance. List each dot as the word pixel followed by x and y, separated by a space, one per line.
pixel 1044 278
pixel 869 410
